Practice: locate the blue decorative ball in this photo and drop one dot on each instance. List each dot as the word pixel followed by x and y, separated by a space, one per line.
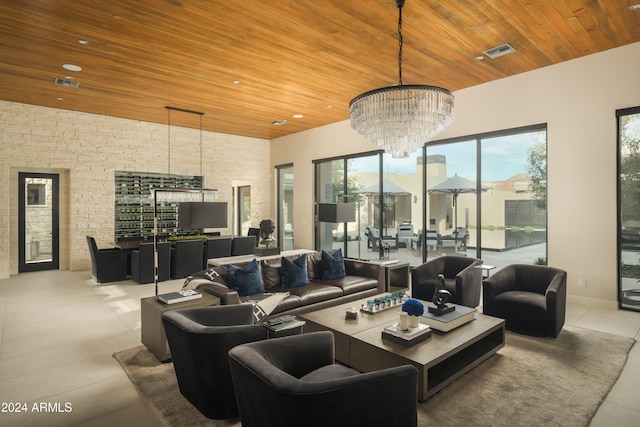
pixel 413 307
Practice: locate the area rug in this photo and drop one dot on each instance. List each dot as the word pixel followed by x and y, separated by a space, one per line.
pixel 530 382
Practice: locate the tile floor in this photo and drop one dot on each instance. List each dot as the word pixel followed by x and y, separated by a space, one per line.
pixel 59 329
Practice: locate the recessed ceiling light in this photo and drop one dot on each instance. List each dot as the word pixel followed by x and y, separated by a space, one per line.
pixel 60 99
pixel 72 67
pixel 83 42
pixel 279 122
pixel 329 106
pixel 298 116
pixel 236 82
pixel 479 58
pixel 634 6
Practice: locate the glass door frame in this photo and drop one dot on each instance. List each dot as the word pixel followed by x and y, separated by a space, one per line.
pixel 54 263
pixel 280 202
pixel 627 298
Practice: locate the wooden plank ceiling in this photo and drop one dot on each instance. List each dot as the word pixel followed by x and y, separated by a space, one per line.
pixel 308 57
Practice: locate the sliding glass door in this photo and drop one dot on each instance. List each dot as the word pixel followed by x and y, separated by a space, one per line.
pixel 482 196
pixel 284 227
pixel 629 208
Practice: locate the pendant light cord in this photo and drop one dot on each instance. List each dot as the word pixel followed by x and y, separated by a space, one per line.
pixel 400 3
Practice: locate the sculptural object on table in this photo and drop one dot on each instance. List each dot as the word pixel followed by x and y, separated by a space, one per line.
pixel 440 298
pixel 267 227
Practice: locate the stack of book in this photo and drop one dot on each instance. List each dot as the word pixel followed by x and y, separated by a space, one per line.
pixel 283 323
pixel 180 296
pixel 448 321
pixel 406 337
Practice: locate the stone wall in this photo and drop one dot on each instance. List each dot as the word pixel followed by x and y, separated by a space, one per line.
pixel 86 149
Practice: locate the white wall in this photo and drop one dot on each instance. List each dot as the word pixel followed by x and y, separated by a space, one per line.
pixel 578 100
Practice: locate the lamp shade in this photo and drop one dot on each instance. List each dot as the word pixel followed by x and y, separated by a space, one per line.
pixel 336 212
pixel 198 215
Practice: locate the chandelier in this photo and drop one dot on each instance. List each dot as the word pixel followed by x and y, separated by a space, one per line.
pixel 400 119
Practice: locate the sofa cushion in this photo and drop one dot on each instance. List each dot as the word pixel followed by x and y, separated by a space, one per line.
pixel 315 291
pixel 352 284
pixel 294 273
pixel 246 281
pixel 332 265
pixel 329 372
pixel 271 273
pixel 313 265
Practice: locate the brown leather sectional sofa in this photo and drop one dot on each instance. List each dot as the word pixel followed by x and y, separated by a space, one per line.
pixel 362 280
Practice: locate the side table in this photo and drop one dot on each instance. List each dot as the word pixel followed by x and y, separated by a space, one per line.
pixel 485 267
pixel 396 273
pixel 153 336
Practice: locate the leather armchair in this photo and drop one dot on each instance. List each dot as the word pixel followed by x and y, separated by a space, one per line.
pixel 186 258
pixel 531 298
pixel 142 263
pixel 107 265
pixel 293 381
pixel 460 278
pixel 199 340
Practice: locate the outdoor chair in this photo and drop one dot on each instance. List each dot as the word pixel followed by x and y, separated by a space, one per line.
pixel 293 381
pixel 404 234
pixel 456 241
pixel 375 239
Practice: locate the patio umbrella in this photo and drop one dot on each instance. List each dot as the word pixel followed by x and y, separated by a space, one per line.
pixel 454 186
pixel 389 188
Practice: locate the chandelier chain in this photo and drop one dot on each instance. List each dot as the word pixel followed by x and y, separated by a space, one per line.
pixel 400 3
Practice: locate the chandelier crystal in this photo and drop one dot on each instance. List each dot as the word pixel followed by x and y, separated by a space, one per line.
pixel 400 119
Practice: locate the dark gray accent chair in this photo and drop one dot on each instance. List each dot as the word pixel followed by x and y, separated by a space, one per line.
pixel 531 298
pixel 107 265
pixel 217 247
pixel 461 279
pixel 293 381
pixel 186 257
pixel 254 232
pixel 243 245
pixel 200 339
pixel 142 263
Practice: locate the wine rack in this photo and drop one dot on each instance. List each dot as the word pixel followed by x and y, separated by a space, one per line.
pixel 134 203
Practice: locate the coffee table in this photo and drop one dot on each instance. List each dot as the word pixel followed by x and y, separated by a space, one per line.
pixel 439 360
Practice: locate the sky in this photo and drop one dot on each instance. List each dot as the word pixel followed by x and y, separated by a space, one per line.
pixel 502 158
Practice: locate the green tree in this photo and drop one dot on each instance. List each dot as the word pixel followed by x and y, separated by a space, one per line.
pixel 537 169
pixel 630 167
pixel 337 181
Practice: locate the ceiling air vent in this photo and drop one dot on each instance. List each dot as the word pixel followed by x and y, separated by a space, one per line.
pixel 66 82
pixel 503 49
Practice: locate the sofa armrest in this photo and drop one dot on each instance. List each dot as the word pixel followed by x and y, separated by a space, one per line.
pixel 227 296
pixel 556 294
pixel 372 270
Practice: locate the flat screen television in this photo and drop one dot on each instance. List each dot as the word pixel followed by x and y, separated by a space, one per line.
pixel 199 215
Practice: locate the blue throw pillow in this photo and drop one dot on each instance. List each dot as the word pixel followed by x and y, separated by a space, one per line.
pixel 332 265
pixel 246 281
pixel 294 273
